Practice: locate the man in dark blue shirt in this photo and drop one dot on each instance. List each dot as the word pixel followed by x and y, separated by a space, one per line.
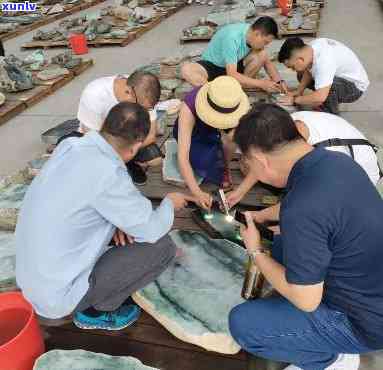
pixel 326 262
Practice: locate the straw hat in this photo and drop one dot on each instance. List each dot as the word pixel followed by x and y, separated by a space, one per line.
pixel 221 103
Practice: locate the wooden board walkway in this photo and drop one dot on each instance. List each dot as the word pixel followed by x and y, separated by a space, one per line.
pixel 156 188
pixel 18 102
pixel 69 10
pixel 102 41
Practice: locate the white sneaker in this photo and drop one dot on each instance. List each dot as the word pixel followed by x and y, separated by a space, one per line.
pixel 293 367
pixel 343 362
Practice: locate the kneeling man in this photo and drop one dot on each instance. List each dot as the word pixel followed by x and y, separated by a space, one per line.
pixel 326 263
pixel 238 50
pixel 329 68
pixel 81 199
pixel 102 94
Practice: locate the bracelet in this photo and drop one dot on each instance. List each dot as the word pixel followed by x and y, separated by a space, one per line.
pixel 253 254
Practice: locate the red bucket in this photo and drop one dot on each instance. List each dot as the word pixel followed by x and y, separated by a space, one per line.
pixel 78 43
pixel 21 340
pixel 285 5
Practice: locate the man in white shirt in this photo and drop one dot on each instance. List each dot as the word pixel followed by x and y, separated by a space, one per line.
pixel 102 94
pixel 315 128
pixel 64 260
pixel 329 68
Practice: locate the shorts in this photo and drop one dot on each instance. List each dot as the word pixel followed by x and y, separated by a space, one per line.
pixel 214 71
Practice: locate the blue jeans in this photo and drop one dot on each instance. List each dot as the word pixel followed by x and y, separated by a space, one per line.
pixel 275 329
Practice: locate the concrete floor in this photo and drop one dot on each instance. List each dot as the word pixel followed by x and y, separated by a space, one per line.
pixel 20 137
pixel 359 24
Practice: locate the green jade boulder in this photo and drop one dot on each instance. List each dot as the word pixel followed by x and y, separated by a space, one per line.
pixel 84 360
pixel 193 297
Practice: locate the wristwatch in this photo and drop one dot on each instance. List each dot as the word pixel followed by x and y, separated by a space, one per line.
pixel 253 254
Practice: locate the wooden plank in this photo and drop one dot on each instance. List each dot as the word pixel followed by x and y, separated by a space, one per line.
pixel 57 83
pixel 32 96
pixel 10 109
pixel 150 332
pixel 49 19
pixel 185 39
pixel 86 64
pixel 147 27
pixel 208 37
pixel 99 41
pixel 185 224
pixel 44 44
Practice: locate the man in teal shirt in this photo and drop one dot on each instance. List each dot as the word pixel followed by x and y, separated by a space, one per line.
pixel 238 50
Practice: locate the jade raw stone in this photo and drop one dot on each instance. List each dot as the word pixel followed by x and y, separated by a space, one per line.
pixel 12 191
pixel 84 360
pixel 193 297
pixel 12 196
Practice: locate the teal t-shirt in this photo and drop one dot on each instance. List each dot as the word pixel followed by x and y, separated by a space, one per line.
pixel 228 45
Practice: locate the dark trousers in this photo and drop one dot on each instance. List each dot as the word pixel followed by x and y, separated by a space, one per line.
pixel 275 329
pixel 123 270
pixel 146 154
pixel 341 91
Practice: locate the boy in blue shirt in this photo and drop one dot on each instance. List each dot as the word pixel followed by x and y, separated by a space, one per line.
pixel 326 262
pixel 237 50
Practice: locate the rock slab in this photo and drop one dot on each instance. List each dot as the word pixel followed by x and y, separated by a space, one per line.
pixel 84 360
pixel 193 297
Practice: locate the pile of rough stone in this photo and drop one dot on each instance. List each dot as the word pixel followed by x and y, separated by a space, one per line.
pixel 90 27
pixel 114 22
pixel 23 74
pixel 304 16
